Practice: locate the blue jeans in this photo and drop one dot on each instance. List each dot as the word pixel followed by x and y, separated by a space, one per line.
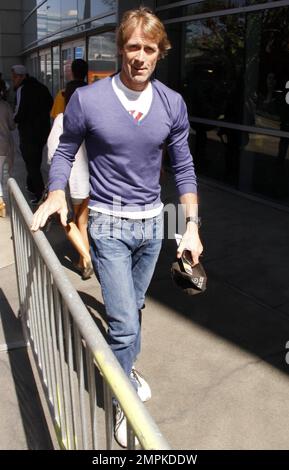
pixel 124 254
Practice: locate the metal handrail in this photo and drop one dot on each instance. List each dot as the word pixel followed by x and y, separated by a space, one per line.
pixel 68 347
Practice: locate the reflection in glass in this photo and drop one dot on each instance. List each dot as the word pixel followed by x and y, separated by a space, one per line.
pixel 53 15
pixel 272 68
pixel 258 172
pixel 45 75
pixel 41 21
pixel 244 58
pixel 71 51
pixel 32 65
pixel 102 6
pixel 106 21
pixel 215 5
pixel 199 7
pixel 56 69
pixel 234 69
pixel 83 9
pixel 101 56
pixel 67 58
pixel 214 65
pixel 28 6
pixel 90 8
pixel 68 13
pixel 48 71
pixel 42 68
pixel 30 30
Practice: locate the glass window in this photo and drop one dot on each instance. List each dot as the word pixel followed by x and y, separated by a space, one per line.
pixel 67 58
pixel 102 59
pixel 32 65
pixel 252 163
pixel 102 6
pixel 269 71
pixel 161 3
pixel 89 8
pixel 42 21
pixel 27 6
pixel 30 30
pixel 68 13
pixel 53 15
pixel 270 168
pixel 198 7
pixel 206 65
pixel 55 69
pixel 71 51
pixel 234 69
pixel 213 5
pixel 83 9
pixel 42 68
pixel 107 21
pixel 46 69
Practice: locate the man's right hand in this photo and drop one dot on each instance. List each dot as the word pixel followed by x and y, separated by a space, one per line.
pixel 55 203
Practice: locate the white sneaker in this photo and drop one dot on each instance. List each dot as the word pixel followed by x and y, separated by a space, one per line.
pixel 143 388
pixel 120 427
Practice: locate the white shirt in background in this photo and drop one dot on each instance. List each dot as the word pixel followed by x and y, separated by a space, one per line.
pixel 79 176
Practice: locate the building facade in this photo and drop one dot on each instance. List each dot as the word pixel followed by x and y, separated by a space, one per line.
pixel 229 60
pixel 10 35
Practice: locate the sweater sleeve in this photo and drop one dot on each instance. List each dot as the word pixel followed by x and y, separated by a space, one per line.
pixel 74 130
pixel 179 152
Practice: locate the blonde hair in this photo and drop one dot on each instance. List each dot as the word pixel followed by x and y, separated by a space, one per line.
pixel 152 27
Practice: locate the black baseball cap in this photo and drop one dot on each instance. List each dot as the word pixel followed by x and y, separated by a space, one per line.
pixel 191 279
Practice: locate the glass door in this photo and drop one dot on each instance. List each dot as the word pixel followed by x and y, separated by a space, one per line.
pixel 69 52
pixel 45 68
pixel 56 69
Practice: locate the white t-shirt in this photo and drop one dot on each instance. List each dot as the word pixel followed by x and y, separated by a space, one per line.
pixel 137 103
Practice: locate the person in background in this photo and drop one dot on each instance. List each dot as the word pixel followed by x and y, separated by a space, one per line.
pixel 125 121
pixel 6 142
pixel 79 69
pixel 33 105
pixel 76 230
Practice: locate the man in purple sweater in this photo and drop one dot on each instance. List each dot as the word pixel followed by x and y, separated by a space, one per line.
pixel 125 121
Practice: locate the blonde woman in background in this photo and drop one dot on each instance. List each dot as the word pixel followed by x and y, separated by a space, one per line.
pixel 76 230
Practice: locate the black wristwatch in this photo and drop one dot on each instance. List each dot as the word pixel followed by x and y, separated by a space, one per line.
pixel 195 219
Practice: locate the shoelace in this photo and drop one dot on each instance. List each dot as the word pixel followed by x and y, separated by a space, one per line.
pixel 136 376
pixel 118 418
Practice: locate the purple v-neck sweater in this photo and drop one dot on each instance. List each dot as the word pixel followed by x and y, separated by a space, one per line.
pixel 124 156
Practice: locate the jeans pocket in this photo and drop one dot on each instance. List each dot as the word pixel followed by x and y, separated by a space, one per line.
pixel 158 232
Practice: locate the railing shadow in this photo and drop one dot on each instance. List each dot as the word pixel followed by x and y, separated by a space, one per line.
pixel 32 416
pixel 246 297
